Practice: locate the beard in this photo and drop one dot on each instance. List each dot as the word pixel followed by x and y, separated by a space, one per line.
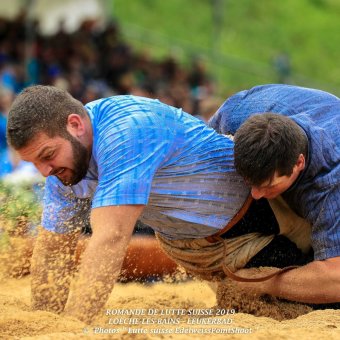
pixel 81 160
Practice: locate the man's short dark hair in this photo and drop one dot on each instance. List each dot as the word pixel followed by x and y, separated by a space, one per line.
pixel 266 143
pixel 40 109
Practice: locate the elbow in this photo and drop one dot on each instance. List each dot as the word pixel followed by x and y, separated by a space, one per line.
pixel 111 237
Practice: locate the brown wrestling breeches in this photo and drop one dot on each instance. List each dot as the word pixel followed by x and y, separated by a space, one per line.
pixel 213 260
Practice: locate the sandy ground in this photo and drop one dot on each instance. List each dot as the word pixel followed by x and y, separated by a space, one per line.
pixel 166 308
pixel 175 308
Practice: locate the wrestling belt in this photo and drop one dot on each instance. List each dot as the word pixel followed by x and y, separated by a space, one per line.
pixel 217 237
pixel 213 256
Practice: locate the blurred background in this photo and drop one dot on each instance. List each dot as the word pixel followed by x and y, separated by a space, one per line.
pixel 191 54
pixel 179 51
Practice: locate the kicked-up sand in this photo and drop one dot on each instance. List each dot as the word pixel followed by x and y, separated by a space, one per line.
pixel 181 310
pixel 176 308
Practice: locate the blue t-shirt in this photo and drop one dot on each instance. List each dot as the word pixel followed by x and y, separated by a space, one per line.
pixel 316 193
pixel 3 124
pixel 146 152
pixel 5 160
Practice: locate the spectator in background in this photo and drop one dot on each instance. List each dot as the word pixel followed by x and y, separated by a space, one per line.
pixel 93 63
pixel 6 99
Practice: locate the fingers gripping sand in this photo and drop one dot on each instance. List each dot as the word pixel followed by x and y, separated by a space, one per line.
pixel 17 321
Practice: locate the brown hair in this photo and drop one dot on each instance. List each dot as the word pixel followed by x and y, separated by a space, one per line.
pixel 266 143
pixel 40 109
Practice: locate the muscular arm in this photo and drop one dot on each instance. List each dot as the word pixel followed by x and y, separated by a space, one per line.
pixel 51 270
pixel 316 282
pixel 112 227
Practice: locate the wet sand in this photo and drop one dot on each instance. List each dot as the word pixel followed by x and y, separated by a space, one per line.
pixel 176 305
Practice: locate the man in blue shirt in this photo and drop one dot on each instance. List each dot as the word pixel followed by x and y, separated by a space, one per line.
pixel 125 158
pixel 287 142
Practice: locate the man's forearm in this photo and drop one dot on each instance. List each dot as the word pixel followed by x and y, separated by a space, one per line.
pixel 316 282
pixel 101 262
pixel 100 267
pixel 51 270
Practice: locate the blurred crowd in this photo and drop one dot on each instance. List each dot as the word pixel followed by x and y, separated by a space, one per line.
pixel 92 63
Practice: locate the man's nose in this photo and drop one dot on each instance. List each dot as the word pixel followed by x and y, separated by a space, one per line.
pixel 44 169
pixel 257 193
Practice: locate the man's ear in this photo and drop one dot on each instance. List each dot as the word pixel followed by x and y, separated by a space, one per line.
pixel 301 162
pixel 75 125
